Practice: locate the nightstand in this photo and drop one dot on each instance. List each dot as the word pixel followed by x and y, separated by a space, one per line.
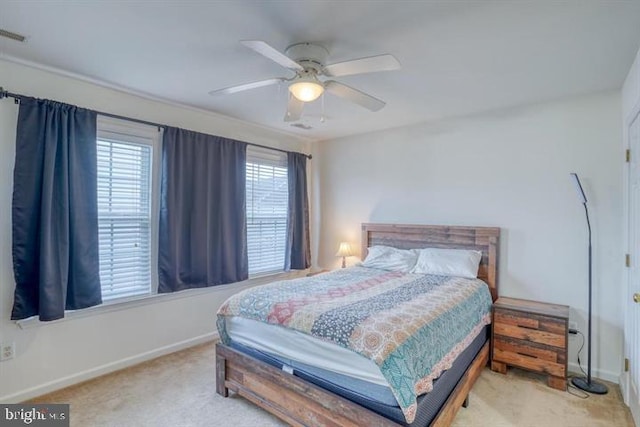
pixel 531 335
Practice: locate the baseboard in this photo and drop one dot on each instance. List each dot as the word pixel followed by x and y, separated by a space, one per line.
pixel 624 386
pixel 597 373
pixel 107 368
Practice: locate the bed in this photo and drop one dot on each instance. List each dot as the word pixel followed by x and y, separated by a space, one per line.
pixel 300 400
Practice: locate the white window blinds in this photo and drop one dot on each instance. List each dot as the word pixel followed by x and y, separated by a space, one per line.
pixel 124 214
pixel 267 206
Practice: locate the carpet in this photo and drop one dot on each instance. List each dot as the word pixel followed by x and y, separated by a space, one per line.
pixel 178 390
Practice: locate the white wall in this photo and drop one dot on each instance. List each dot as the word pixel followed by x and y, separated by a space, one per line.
pixel 53 355
pixel 508 169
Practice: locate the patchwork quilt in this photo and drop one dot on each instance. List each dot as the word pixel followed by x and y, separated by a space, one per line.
pixel 412 326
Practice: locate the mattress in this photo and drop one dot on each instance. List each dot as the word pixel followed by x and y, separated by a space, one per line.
pixel 294 346
pixel 377 398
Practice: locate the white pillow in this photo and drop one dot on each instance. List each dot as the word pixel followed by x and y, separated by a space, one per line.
pixel 388 258
pixel 448 262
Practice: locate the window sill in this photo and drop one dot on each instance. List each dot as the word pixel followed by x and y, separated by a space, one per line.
pixel 138 301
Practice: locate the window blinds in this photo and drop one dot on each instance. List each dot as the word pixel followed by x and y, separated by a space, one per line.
pixel 267 206
pixel 124 218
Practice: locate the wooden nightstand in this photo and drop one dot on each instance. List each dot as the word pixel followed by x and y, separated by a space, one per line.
pixel 531 335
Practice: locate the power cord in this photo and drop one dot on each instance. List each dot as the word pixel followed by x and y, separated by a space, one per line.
pixel 579 351
pixel 571 389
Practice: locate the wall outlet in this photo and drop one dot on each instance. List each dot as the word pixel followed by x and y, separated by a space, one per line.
pixel 573 325
pixel 7 351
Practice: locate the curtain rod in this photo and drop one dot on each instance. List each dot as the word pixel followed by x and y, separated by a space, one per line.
pixel 17 97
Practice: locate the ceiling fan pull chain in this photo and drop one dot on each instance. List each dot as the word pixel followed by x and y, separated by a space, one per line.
pixel 322 114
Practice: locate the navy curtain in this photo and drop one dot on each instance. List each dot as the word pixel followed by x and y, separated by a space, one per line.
pixel 55 213
pixel 203 231
pixel 298 252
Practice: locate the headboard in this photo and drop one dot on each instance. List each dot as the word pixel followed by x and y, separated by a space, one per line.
pixel 401 236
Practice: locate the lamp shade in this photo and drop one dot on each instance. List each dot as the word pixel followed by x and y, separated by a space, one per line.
pixel 306 89
pixel 344 250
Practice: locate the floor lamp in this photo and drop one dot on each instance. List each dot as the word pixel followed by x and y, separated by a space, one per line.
pixel 583 383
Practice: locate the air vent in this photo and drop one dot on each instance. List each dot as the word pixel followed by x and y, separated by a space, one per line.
pixel 301 126
pixel 12 36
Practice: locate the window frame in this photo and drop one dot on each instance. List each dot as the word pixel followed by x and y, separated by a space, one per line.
pixel 270 158
pixel 133 133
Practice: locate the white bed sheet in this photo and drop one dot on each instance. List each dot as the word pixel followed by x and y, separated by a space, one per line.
pixel 291 344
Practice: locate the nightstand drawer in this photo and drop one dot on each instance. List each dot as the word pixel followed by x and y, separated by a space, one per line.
pixel 529 362
pixel 530 321
pixel 533 335
pixel 529 349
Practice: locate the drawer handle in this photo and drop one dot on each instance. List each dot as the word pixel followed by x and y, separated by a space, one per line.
pixel 527 327
pixel 528 355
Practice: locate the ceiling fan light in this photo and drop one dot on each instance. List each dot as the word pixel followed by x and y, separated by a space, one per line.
pixel 306 90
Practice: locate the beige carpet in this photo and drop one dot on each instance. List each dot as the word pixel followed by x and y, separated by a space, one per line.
pixel 179 390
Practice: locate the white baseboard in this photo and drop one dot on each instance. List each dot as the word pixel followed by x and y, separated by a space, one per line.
pixel 597 373
pixel 88 374
pixel 624 386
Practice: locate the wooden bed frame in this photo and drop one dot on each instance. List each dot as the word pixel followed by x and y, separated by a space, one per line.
pixel 301 403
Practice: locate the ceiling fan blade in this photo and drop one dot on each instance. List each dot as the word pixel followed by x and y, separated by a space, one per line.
pixel 370 64
pixel 246 86
pixel 294 109
pixel 276 56
pixel 354 95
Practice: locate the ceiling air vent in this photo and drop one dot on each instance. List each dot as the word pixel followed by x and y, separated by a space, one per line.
pixel 301 126
pixel 12 36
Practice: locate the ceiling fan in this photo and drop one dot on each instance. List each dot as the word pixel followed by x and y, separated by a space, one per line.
pixel 307 61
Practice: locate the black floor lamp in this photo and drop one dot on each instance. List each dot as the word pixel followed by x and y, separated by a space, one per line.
pixel 583 383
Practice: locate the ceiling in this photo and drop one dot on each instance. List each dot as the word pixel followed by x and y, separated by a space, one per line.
pixel 458 58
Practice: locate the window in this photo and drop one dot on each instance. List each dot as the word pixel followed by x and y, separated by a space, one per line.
pixel 267 207
pixel 127 179
pixel 128 208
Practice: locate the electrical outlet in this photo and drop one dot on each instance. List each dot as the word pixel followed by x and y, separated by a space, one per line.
pixel 573 325
pixel 7 351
